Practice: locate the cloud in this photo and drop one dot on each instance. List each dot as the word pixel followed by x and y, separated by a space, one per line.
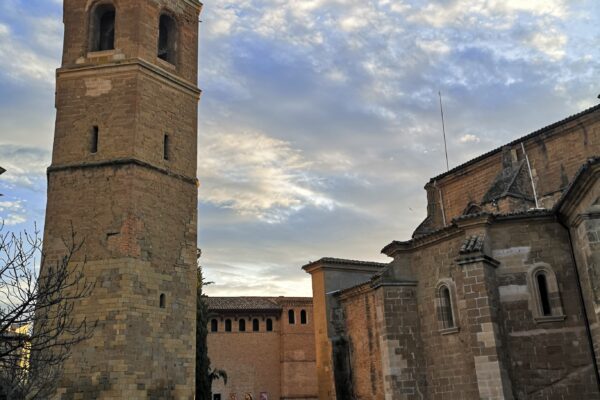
pixel 319 119
pixel 25 166
pixel 12 213
pixel 259 176
pixel 469 138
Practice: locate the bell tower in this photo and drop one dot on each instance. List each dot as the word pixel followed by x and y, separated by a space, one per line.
pixel 123 175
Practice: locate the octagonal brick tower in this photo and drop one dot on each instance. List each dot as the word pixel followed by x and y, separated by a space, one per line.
pixel 123 174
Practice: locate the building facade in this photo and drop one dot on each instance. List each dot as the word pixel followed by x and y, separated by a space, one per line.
pixel 265 345
pixel 123 179
pixel 496 295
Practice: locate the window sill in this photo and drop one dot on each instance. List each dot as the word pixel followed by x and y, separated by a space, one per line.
pixel 165 64
pixel 449 331
pixel 102 56
pixel 549 318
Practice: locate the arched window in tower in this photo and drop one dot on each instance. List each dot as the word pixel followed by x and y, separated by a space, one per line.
pixel 255 325
pixel 269 325
pixel 214 325
pixel 162 301
pixel 227 325
pixel 542 286
pixel 291 317
pixel 167 39
pixel 446 314
pixel 242 325
pixel 303 317
pixel 102 27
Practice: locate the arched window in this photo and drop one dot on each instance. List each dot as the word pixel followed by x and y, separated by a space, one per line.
pixel 545 303
pixel 167 39
pixel 255 325
pixel 242 325
pixel 446 312
pixel 162 300
pixel 102 27
pixel 269 325
pixel 227 325
pixel 303 317
pixel 542 286
pixel 291 317
pixel 446 307
pixel 214 325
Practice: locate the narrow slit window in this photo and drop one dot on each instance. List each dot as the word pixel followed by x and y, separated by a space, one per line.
pixel 162 301
pixel 166 147
pixel 446 308
pixel 291 317
pixel 242 325
pixel 214 325
pixel 227 325
pixel 102 26
pixel 542 284
pixel 94 140
pixel 269 325
pixel 255 325
pixel 303 317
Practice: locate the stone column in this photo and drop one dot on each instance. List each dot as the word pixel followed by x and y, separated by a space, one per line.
pixel 482 309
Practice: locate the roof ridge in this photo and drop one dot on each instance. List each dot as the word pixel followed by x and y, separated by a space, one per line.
pixel 518 140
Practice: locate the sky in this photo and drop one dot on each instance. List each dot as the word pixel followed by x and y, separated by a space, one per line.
pixel 319 122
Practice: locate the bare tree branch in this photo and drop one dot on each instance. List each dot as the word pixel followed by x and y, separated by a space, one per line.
pixel 37 324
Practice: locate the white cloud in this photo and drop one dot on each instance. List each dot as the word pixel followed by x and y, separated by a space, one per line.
pixel 12 213
pixel 257 176
pixel 24 166
pixel 19 61
pixel 469 138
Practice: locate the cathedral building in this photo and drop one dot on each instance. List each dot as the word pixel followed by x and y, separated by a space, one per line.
pixel 495 296
pixel 266 346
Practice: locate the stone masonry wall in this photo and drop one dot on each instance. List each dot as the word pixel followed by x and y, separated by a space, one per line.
pixel 548 358
pixel 363 334
pixel 135 211
pixel 450 365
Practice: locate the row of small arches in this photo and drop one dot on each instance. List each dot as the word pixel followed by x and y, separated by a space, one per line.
pixel 214 325
pixel 102 32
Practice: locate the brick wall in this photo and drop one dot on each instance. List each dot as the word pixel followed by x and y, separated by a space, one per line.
pixel 251 359
pixel 280 363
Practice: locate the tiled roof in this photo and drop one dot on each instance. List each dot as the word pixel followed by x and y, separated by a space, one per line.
pixel 248 303
pixel 519 140
pixel 472 244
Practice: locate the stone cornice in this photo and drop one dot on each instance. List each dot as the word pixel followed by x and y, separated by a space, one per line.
pixel 343 265
pixel 119 163
pixel 476 258
pixel 129 65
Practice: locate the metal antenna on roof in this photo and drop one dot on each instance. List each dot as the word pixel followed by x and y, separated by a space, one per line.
pixel 444 131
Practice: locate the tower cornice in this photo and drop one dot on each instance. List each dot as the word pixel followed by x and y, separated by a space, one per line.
pixel 138 64
pixel 119 163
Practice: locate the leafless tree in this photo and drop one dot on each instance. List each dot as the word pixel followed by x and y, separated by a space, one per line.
pixel 37 325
